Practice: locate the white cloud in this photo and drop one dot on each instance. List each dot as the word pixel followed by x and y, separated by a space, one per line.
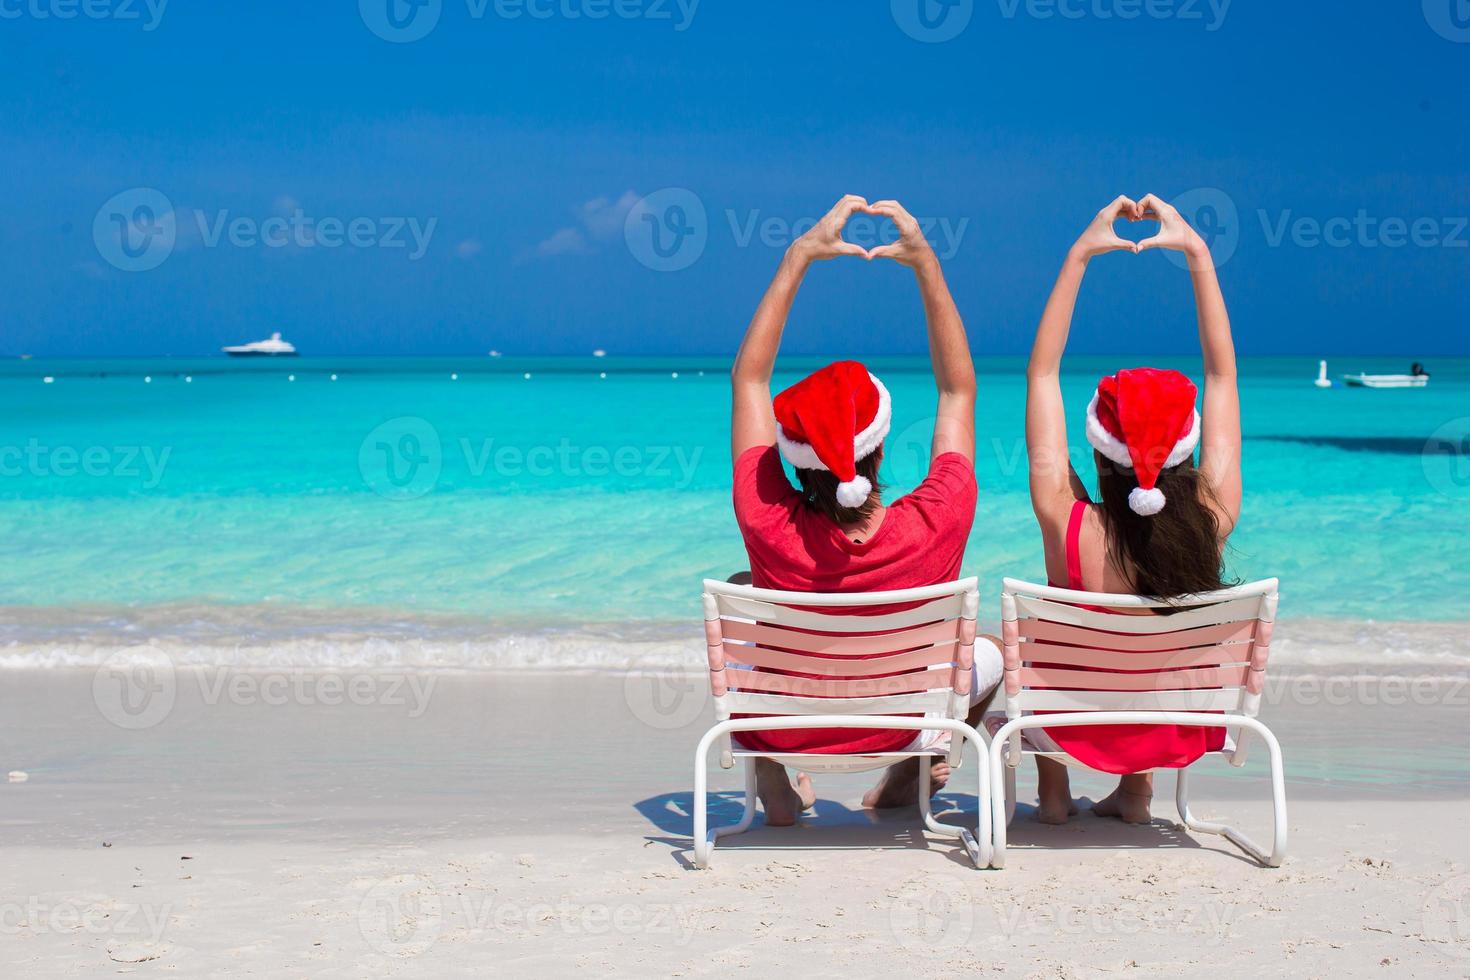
pixel 568 241
pixel 599 220
pixel 604 219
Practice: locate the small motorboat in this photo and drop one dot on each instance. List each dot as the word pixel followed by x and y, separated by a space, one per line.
pixel 1322 379
pixel 274 347
pixel 1416 378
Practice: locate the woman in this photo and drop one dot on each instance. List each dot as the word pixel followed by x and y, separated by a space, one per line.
pixel 1160 524
pixel 835 533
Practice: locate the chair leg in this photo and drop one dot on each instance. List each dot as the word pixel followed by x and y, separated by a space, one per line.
pixel 748 814
pixel 1010 795
pixel 978 850
pixel 705 839
pixel 704 843
pixel 702 834
pixel 1277 854
pixel 1002 786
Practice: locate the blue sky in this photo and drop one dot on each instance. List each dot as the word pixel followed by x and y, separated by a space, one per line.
pixel 488 168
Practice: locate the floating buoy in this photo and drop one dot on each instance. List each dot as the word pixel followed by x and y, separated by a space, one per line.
pixel 1322 380
pixel 674 375
pixel 148 379
pixel 454 377
pixel 603 375
pixel 527 375
pixel 334 377
pixel 48 380
pixel 188 379
pixel 290 377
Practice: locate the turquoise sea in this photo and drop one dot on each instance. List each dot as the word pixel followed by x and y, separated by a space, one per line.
pixel 221 502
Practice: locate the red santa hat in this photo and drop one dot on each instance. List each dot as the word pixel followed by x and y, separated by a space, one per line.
pixel 1144 419
pixel 832 419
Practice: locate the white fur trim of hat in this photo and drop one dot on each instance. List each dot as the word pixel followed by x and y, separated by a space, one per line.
pixel 1113 448
pixel 864 444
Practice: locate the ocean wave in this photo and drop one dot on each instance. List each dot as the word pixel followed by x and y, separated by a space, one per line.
pixel 270 636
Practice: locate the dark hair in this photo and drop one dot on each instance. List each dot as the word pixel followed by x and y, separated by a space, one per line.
pixel 1174 553
pixel 819 490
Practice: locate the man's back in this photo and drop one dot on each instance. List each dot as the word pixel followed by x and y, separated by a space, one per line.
pixel 794 548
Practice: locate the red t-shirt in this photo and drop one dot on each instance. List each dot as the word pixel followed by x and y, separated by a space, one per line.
pixel 796 549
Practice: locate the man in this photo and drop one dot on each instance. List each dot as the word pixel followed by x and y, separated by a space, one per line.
pixel 835 534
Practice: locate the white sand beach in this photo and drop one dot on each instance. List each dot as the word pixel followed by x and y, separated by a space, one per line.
pixel 459 824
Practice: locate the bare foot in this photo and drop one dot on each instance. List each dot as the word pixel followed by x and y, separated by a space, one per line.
pixel 1053 792
pixel 1130 801
pixel 899 784
pixel 781 801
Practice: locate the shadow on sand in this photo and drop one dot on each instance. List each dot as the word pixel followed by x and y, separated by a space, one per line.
pixel 831 825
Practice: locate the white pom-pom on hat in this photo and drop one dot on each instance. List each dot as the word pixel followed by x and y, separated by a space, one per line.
pixel 854 492
pixel 1146 503
pixel 831 421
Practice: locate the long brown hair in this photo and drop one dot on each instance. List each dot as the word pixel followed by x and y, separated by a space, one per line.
pixel 819 490
pixel 1176 552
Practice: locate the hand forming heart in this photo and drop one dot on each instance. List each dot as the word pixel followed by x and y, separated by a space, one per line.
pixel 825 241
pixel 1174 232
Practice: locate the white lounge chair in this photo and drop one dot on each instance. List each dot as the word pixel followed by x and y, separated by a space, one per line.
pixel 1204 665
pixel 933 643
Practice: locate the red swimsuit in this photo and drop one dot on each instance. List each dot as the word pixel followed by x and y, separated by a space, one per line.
pixel 1124 749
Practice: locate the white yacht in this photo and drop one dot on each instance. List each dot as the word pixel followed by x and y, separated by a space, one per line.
pixel 274 347
pixel 1416 378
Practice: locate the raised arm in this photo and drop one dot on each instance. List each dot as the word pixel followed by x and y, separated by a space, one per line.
pixel 1054 484
pixel 949 349
pixel 1219 458
pixel 752 421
